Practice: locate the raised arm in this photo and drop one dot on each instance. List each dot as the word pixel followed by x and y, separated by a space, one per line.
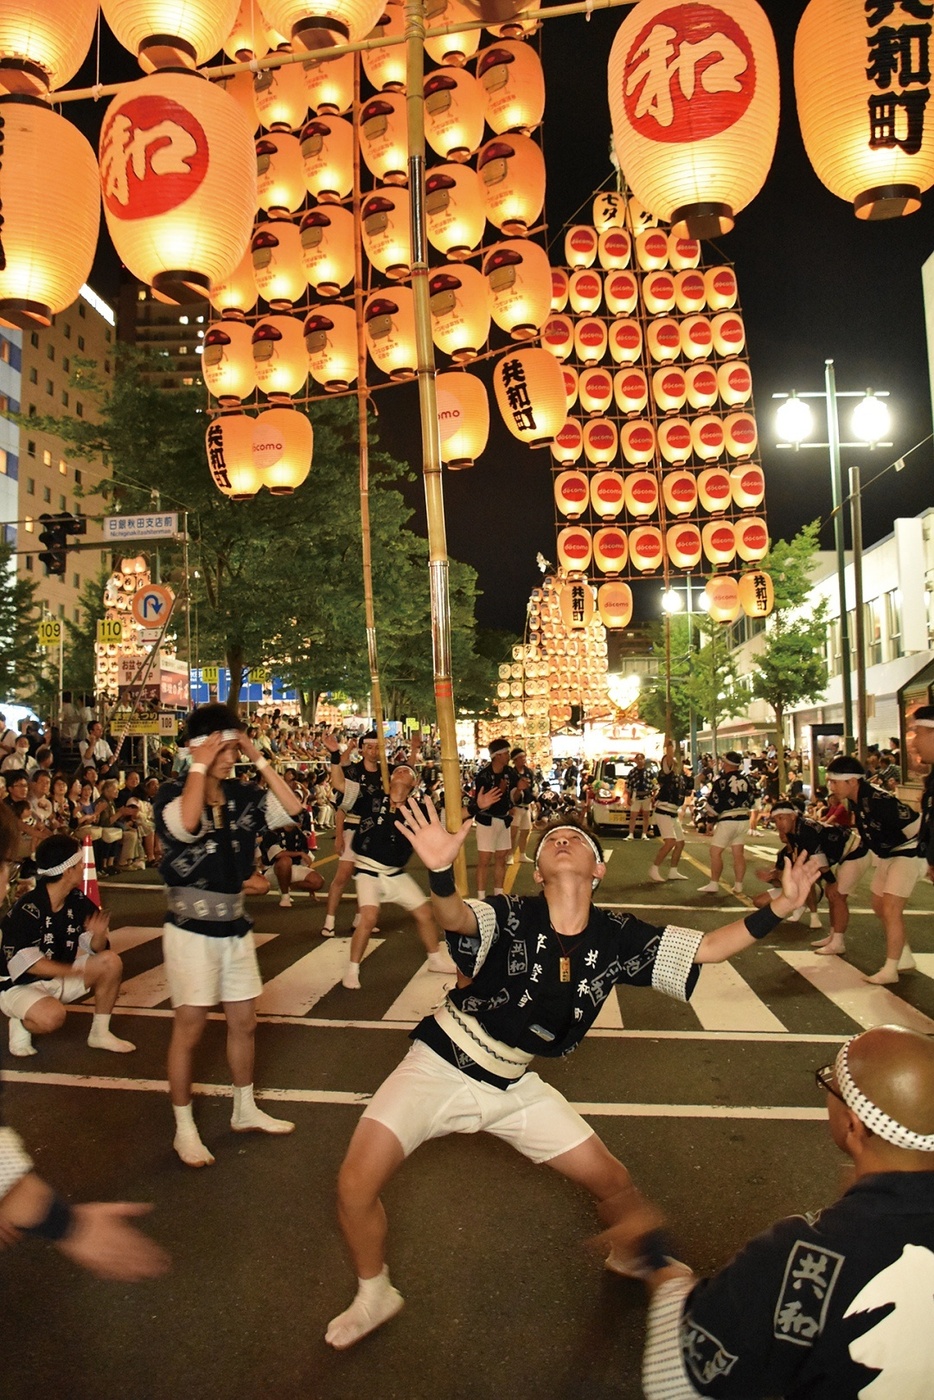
pixel 723 943
pixel 437 848
pixel 277 785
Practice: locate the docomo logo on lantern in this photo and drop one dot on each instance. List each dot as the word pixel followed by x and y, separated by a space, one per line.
pixel 592 332
pixel 268 445
pixel 754 539
pixel 601 436
pixel 611 548
pixel 690 75
pixel 450 414
pixel 573 488
pixel 583 239
pixel 608 488
pixel 154 156
pixel 686 540
pixel 559 331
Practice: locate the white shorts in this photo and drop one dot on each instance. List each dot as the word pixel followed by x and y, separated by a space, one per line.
pixel 897 875
pixel 669 828
pixel 730 833
pixel 17 1002
pixel 640 804
pixel 388 889
pixel 425 1098
pixel 494 837
pixel 297 871
pixel 203 971
pixel 521 819
pixel 850 872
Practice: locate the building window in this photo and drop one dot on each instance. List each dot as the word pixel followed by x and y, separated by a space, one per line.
pixel 4 403
pixel 67 331
pixel 29 563
pixel 834 667
pixel 28 524
pixel 76 582
pixel 76 615
pixel 4 351
pixel 33 375
pixel 80 342
pixel 66 398
pixel 62 503
pixel 81 309
pixel 50 352
pixel 141 294
pixel 77 476
pixel 872 624
pixel 30 486
pixel 30 448
pixel 66 363
pixel 893 623
pixel 49 387
pixel 3 470
pixel 47 495
pixel 79 409
pixel 62 467
pixel 108 335
pixel 32 411
pixel 46 457
pixel 34 339
pixel 61 609
pixel 106 366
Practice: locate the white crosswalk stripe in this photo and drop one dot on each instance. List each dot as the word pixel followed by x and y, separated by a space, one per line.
pixel 847 988
pixel 151 988
pixel 302 985
pixel 419 997
pixel 724 1001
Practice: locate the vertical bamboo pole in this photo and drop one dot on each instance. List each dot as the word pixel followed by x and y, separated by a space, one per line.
pixel 439 573
pixel 364 448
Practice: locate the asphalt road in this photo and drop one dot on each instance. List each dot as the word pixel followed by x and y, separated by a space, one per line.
pixel 712 1106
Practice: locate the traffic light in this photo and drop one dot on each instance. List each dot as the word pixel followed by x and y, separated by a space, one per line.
pixel 54 536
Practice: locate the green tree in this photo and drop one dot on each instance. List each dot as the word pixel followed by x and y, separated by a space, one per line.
pixel 703 676
pixel 24 670
pixel 713 683
pixel 653 694
pixel 81 636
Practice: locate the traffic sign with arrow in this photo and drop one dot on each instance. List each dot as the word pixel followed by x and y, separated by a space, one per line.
pixel 151 605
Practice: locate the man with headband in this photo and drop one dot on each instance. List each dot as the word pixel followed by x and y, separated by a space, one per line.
pixel 208 825
pixel 55 950
pixel 532 976
pixel 831 1307
pixel 837 850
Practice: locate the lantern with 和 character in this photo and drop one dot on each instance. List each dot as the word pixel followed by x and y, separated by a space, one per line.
pixel 607 491
pixel 227 361
pixel 752 539
pixel 722 594
pixel 453 113
pixel 683 543
pixel 614 601
pixel 577 606
pixel 512 182
pixel 229 444
pixel 568 443
pixel 460 311
pixel 463 418
pixel 330 334
pixel 454 214
pixel 756 593
pixel 327 237
pixel 610 550
pixel 575 549
pixel 389 326
pixel 518 275
pixel 514 83
pixel 530 394
pixel 572 492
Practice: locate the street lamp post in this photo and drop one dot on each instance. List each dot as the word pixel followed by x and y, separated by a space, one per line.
pixel 671 604
pixel 870 424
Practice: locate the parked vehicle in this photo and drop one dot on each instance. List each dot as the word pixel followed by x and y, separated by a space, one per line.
pixel 610 807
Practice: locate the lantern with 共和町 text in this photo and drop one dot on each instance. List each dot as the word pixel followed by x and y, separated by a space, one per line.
pixel 683 545
pixel 590 339
pixel 463 418
pixel 702 385
pixel 674 440
pixel 450 50
pixel 281 97
pixel 329 84
pixel 641 494
pixel 631 390
pixel 610 550
pixel 719 540
pixel 530 394
pixel 748 485
pixel 607 493
pixel 695 138
pixel 679 491
pixel 558 336
pixel 601 441
pixel 385 66
pixel 614 249
pixel 327 158
pixel 575 549
pixel 580 247
pixel 568 443
pixel 614 603
pixel 161 35
pixel 722 595
pixel 327 234
pixel 577 605
pixel 752 539
pixel 458 301
pixel 279 358
pixel 512 182
pixel 229 445
pixel 646 548
pixel 330 335
pixel 383 137
pixel 227 361
pixel 39 49
pixel 625 340
pixel 237 294
pixel 518 276
pixel 280 175
pixel 514 84
pixel 386 225
pixel 389 326
pixel 756 593
pixel 572 492
pixel 454 214
pixel 283 442
pixel 453 113
pixel 638 441
pixel 276 249
pixel 715 489
pixel 621 292
pixel 322 24
pixel 595 390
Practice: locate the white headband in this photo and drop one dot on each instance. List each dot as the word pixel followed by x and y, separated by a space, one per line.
pixel 874 1118
pixel 46 874
pixel 571 826
pixel 228 736
pixel 921 724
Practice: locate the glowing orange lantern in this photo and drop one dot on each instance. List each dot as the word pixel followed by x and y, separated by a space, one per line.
pixel 690 292
pixel 734 382
pixel 250 36
pixel 518 275
pixel 463 418
pixel 383 137
pixel 696 338
pixel 559 288
pixel 177 36
pixel 280 175
pixel 614 248
pixel 756 593
pixel 641 494
pixel 696 142
pixel 450 49
pixel 323 23
pixel 276 249
pixel 577 605
pixel 729 334
pixel 558 336
pixel 702 385
pixel 721 288
pixel 281 97
pixel 646 548
pixel 621 291
pixel 638 442
pixel 329 83
pixel 237 293
pixel 674 440
pixel 608 210
pixel 572 493
pixel 39 49
pixel 279 358
pixel 658 293
pixel 631 390
pixel 683 252
pixel 385 67
pixel 327 158
pixel 227 361
pixel 568 443
pixel 454 215
pixel 748 483
pixel 327 235
pixel 595 389
pixel 679 491
pixel 708 437
pixel 719 539
pixel 752 539
pixel 453 113
pixel 742 439
pixel 590 338
pixel 669 389
pixel 607 493
pixel 614 602
pixel 283 443
pixel 683 543
pixel 610 550
pixel 652 250
pixel 389 325
pixel 664 339
pixel 585 289
pixel 580 246
pixel 330 334
pixel 530 393
pixel 514 83
pixel 512 182
pixel 239 86
pixel 723 603
pixel 625 339
pixel 575 549
pixel 601 441
pixel 570 381
pixel 386 227
pixel 229 444
pixel 460 311
pixel 715 489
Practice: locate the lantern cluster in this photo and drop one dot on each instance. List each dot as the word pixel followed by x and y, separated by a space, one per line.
pixel 119 591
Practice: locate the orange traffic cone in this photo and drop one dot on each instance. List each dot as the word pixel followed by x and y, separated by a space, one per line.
pixel 89 871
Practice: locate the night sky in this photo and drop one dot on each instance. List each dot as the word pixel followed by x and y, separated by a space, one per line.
pixel 814 283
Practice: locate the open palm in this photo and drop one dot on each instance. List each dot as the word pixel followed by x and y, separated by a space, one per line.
pixel 432 843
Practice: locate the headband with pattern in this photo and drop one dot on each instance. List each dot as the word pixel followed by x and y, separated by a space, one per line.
pixel 874 1118
pixel 47 872
pixel 228 736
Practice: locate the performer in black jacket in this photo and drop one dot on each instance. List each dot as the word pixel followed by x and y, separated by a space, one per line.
pixel 729 804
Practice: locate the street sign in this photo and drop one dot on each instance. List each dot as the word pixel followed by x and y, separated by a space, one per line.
pixel 118 528
pixel 151 605
pixel 168 726
pixel 109 631
pixel 49 632
pixel 133 725
pixel 209 674
pixel 149 634
pixel 260 675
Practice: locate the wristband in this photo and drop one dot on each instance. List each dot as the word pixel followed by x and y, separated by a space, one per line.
pixel 260 763
pixel 441 882
pixel 761 921
pixel 57 1223
pixel 336 759
pixel 201 768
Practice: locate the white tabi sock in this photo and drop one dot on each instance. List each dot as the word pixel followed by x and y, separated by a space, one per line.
pixel 497 891
pixel 101 1037
pixel 376 1302
pixel 887 974
pixel 20 1040
pixel 247 1118
pixel 351 978
pixel 481 894
pixel 188 1142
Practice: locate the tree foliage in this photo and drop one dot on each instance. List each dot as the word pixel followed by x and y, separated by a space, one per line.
pixel 23 668
pixel 703 676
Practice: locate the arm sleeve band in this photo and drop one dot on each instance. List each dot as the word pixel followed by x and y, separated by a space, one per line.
pixel 441 882
pixel 761 921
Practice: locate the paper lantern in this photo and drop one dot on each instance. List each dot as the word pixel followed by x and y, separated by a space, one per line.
pixel 279 357
pixel 575 549
pixel 614 603
pixel 664 339
pixel 577 605
pixel 330 334
pixel 752 539
pixel 679 492
pixel 162 206
pixel 560 284
pixel 227 361
pixel 715 489
pixel 276 249
pixel 862 80
pixel 281 97
pixel 572 492
pixel 638 442
pixel 690 292
pixel 320 24
pixel 51 212
pixel 580 246
pixel 570 381
pixel 590 339
pixel 41 49
pixel 719 540
pixel 386 230
pixel 683 546
pixel 607 493
pixel 327 158
pixel 568 443
pixel 696 338
pixel 658 293
pixel 229 444
pixel 669 388
pixel 236 294
pixel 283 443
pixel 652 250
pixel 389 326
pixel 646 548
pixel 385 67
pixel 585 289
pixel 558 336
pixel 451 49
pixel 463 418
pixel 280 175
pixel 708 437
pixel 239 86
pixel 514 85
pixel 723 603
pixel 512 182
pixel 531 395
pixel 748 485
pixel 601 441
pixel 170 35
pixel 608 210
pixel 614 249
pixel 595 390
pixel 631 390
pixel 702 386
pixel 518 276
pixel 458 300
pixel 327 236
pixel 249 37
pixel 453 113
pixel 454 214
pixel 742 439
pixel 625 340
pixel 641 493
pixel 729 334
pixel 621 292
pixel 610 550
pixel 734 383
pixel 683 252
pixel 756 593
pixel 329 84
pixel 674 440
pixel 720 283
pixel 384 138
pixel 695 139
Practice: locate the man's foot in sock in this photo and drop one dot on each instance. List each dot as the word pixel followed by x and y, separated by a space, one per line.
pixel 351 980
pixel 655 875
pixel 833 946
pixel 815 921
pixel 887 976
pixel 254 1120
pixel 676 874
pixel 285 902
pixel 370 1309
pixel 795 915
pixel 20 1040
pixel 822 942
pixel 737 889
pixel 192 1150
pixel 441 961
pixel 106 1040
pixel 711 888
pixel 906 962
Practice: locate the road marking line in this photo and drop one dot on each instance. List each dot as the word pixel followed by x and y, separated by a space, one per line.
pixel 848 989
pixel 123 939
pixel 305 982
pixel 420 996
pixel 724 1001
pixel 610 1017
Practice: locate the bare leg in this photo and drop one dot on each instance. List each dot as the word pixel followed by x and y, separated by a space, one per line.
pixel 716 864
pixel 483 865
pixel 283 868
pixel 241 1035
pixel 366 923
pixel 187 1029
pixel 345 869
pixel 675 857
pixel 499 869
pixel 103 973
pixel 663 850
pixel 593 1166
